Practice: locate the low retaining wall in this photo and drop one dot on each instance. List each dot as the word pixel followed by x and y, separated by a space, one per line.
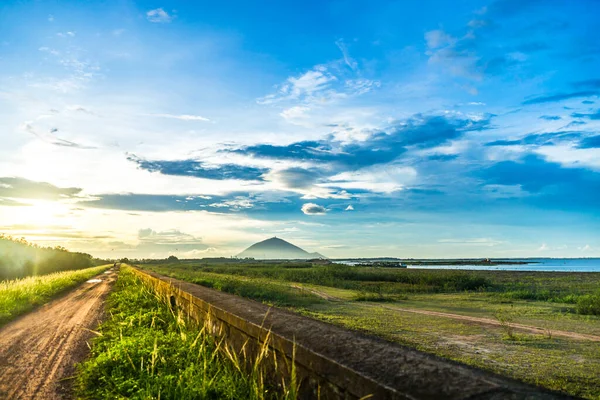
pixel 332 362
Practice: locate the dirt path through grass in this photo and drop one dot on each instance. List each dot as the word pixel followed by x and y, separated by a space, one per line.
pixel 38 351
pixel 478 320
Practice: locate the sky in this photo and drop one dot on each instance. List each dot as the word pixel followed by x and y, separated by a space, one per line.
pixel 425 129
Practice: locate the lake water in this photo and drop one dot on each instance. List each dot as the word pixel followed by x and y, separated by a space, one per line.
pixel 537 264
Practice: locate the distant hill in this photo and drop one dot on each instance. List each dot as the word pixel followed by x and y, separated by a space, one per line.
pixel 277 249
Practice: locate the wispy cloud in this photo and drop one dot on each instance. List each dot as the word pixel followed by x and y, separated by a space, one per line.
pixel 349 61
pixel 199 169
pixel 560 97
pixel 593 116
pixel 158 15
pixel 182 117
pixel 379 146
pixel 52 138
pixel 304 86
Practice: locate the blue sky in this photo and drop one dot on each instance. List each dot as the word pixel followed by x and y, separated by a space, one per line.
pixel 354 128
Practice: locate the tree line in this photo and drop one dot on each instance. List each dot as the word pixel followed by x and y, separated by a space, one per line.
pixel 20 258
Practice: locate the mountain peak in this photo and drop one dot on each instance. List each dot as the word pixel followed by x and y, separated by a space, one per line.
pixel 278 249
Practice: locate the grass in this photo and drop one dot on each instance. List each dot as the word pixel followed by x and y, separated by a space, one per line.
pixel 22 295
pixel 371 300
pixel 267 291
pixel 146 350
pixel 505 286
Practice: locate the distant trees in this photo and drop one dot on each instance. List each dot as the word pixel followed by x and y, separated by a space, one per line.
pixel 19 258
pixel 172 259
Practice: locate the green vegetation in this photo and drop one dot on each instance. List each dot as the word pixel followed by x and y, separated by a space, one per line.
pixel 589 304
pixel 501 286
pixel 19 258
pixel 378 300
pixel 369 279
pixel 147 351
pixel 261 289
pixel 22 295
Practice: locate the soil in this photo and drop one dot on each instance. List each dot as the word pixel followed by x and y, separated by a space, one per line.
pixel 39 351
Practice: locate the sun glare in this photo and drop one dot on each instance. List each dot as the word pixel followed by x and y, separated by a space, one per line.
pixel 41 214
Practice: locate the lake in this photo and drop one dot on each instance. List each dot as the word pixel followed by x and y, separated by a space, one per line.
pixel 537 264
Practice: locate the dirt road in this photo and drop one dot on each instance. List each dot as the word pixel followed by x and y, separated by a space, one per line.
pixel 493 322
pixel 38 351
pixel 466 318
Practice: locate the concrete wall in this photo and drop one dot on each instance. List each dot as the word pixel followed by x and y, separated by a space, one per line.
pixel 331 362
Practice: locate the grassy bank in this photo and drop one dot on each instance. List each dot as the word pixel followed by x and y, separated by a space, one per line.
pixel 146 351
pixel 22 295
pixel 375 300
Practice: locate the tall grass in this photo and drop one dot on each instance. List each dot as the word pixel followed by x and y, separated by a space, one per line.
pixel 367 279
pixel 147 350
pixel 266 282
pixel 270 292
pixel 21 295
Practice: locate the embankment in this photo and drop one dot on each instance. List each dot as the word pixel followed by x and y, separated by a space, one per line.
pixel 331 362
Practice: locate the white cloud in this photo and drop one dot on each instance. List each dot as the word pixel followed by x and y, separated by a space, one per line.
pixel 50 18
pixel 308 84
pixel 571 157
pixel 295 112
pixel 184 117
pixel 587 247
pixel 238 203
pixel 349 208
pixel 66 34
pixel 544 247
pixel 118 32
pixel 158 15
pixel 379 178
pixel 313 209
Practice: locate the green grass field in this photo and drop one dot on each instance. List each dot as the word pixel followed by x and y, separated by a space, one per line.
pixel 22 295
pixel 146 351
pixel 375 300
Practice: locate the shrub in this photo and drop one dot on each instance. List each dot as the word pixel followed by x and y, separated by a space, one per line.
pixel 589 304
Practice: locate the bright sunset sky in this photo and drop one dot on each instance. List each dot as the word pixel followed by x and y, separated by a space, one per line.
pixel 352 128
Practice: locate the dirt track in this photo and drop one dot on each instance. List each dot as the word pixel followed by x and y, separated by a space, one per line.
pixel 493 322
pixel 38 351
pixel 477 320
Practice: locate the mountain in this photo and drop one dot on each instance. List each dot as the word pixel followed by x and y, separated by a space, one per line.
pixel 277 249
